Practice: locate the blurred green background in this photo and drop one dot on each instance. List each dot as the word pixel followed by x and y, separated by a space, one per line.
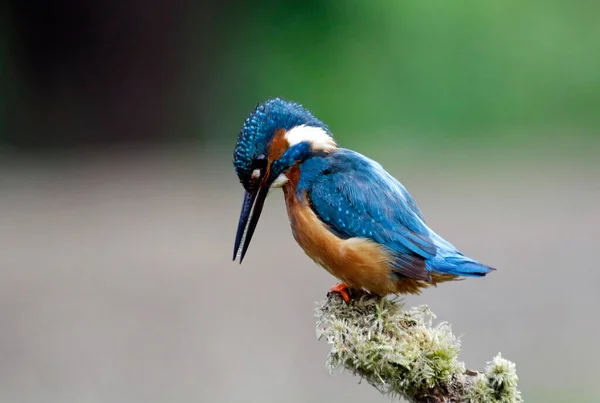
pixel 438 72
pixel 118 202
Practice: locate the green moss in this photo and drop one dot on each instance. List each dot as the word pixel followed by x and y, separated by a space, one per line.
pixel 503 379
pixel 480 390
pixel 402 353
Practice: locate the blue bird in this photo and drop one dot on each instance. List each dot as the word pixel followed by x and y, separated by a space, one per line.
pixel 347 213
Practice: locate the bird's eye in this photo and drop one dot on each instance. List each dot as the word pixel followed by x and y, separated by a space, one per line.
pixel 258 167
pixel 259 162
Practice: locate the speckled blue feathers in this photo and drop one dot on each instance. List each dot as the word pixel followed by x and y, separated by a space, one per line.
pixel 356 197
pixel 261 125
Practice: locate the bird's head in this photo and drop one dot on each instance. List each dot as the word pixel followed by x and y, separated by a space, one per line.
pixel 276 136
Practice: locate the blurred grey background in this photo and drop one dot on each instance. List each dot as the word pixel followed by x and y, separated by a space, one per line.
pixel 118 201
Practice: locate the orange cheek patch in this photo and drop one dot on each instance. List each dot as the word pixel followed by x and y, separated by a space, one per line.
pixel 278 145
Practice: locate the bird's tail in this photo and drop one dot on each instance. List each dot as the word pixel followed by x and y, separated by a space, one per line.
pixel 459 265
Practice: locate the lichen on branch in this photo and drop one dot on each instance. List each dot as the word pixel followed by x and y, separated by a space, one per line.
pixel 403 354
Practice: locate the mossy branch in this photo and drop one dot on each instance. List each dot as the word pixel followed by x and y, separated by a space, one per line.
pixel 401 353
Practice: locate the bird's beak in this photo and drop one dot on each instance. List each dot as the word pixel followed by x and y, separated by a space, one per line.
pixel 251 209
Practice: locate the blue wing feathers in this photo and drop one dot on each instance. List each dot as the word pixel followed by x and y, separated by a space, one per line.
pixel 341 207
pixel 356 197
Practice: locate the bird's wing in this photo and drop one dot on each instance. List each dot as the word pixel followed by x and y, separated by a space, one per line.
pixel 356 197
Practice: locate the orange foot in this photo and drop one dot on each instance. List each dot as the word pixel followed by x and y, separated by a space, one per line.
pixel 342 289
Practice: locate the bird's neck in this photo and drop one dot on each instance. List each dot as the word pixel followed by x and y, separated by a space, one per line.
pixel 303 174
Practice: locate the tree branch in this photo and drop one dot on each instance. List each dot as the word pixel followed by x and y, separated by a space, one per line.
pixel 402 354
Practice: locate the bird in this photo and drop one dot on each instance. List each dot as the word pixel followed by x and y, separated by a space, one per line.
pixel 347 213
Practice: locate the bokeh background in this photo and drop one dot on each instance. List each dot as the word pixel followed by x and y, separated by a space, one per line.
pixel 118 201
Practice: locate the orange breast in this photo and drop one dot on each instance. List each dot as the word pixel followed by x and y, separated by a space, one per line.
pixel 358 262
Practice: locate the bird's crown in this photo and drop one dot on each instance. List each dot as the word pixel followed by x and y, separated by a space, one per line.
pixel 260 127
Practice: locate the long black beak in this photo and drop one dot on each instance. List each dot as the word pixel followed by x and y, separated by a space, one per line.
pixel 251 209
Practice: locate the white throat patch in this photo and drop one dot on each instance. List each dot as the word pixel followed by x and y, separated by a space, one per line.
pixel 279 181
pixel 317 137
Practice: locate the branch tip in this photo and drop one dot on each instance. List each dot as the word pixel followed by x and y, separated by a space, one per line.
pixel 403 354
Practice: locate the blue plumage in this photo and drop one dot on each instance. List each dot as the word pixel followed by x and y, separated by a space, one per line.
pixel 348 213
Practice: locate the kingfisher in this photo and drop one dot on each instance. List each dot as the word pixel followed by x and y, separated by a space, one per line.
pixel 347 213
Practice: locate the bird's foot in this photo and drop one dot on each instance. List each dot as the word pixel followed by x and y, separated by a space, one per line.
pixel 342 289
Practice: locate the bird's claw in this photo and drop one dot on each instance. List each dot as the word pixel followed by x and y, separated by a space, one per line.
pixel 342 289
